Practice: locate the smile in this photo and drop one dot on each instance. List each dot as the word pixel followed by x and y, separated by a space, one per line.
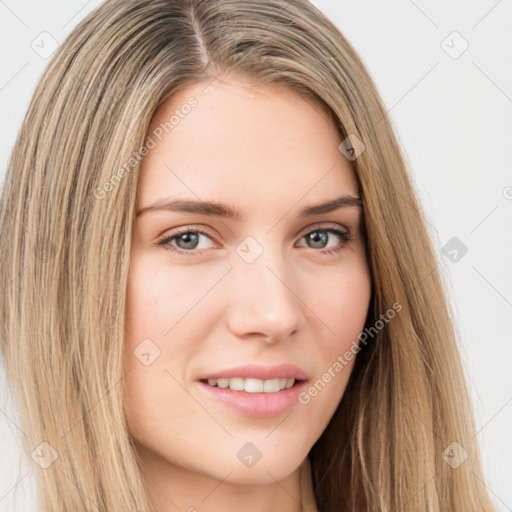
pixel 256 391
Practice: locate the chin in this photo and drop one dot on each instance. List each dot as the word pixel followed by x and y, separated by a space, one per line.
pixel 274 463
pixel 275 468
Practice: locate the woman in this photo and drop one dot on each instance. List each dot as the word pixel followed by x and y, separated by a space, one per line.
pixel 219 291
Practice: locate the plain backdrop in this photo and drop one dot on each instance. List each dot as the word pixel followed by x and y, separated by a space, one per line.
pixel 443 70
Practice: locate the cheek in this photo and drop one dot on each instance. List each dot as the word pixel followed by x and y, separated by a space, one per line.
pixel 146 381
pixel 341 312
pixel 342 305
pixel 163 297
pixel 157 301
pixel 148 292
pixel 159 341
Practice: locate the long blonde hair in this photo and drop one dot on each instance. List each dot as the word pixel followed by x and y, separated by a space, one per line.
pixel 65 238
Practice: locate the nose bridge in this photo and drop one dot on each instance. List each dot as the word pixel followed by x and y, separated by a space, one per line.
pixel 263 299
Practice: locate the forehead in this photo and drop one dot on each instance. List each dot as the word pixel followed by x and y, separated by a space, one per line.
pixel 237 143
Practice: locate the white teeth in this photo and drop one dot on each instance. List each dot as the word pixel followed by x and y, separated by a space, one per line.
pixel 223 383
pixel 253 385
pixel 236 384
pixel 271 386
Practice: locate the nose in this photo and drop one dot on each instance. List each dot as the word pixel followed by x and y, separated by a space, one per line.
pixel 263 300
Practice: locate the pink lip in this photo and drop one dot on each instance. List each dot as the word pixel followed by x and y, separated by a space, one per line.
pixel 258 405
pixel 254 371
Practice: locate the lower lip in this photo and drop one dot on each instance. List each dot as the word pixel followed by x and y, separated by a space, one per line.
pixel 257 405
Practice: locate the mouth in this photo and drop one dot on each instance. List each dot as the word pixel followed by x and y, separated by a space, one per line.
pixel 255 391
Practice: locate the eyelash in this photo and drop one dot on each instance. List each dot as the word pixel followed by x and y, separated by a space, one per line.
pixel 164 241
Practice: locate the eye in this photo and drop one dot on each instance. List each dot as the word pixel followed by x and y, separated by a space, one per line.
pixel 319 238
pixel 187 241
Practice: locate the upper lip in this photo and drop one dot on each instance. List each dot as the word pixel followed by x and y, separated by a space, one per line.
pixel 254 371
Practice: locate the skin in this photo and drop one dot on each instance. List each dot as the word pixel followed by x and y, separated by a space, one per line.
pixel 269 152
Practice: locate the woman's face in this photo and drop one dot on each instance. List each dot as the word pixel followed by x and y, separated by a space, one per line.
pixel 264 297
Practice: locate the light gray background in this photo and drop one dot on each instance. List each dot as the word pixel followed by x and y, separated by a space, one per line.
pixel 454 121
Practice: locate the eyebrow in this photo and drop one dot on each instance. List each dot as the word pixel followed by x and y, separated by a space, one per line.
pixel 227 211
